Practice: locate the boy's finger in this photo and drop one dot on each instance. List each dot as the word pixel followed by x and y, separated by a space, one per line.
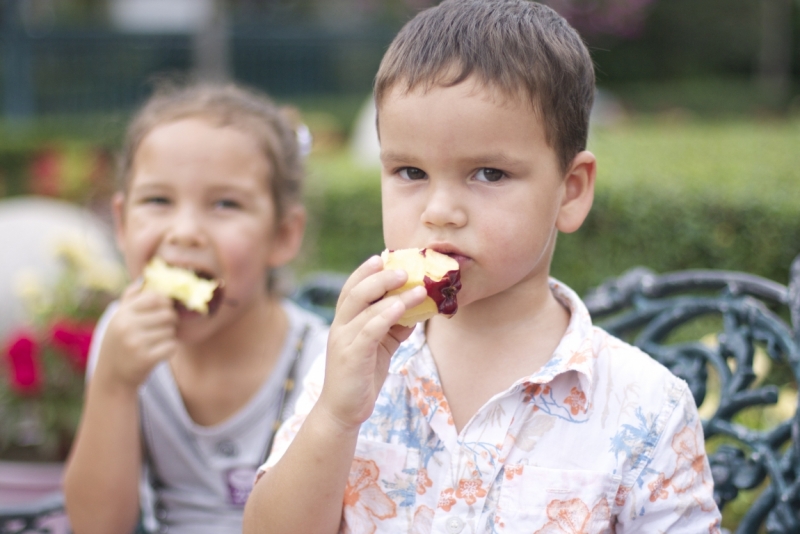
pixel 369 267
pixel 378 325
pixel 375 321
pixel 370 291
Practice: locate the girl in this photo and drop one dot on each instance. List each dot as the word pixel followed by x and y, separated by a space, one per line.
pixel 211 182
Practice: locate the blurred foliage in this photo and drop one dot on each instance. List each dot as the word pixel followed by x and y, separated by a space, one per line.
pixel 670 195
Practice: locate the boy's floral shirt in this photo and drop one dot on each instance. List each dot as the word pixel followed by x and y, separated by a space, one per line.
pixel 601 439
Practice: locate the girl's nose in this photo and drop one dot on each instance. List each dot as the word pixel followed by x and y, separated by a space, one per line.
pixel 443 208
pixel 186 229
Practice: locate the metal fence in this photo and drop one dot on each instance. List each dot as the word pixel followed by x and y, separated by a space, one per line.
pixel 99 71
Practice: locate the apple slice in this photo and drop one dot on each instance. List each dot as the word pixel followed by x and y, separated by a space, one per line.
pixel 184 286
pixel 437 272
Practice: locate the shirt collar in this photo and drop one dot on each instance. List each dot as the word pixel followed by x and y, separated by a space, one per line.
pixel 573 353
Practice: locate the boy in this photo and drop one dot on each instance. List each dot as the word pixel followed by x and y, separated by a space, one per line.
pixel 515 415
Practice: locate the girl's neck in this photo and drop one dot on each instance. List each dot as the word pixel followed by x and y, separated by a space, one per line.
pixel 217 377
pixel 257 331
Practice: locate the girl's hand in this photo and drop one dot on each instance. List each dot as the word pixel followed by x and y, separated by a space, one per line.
pixel 140 335
pixel 362 340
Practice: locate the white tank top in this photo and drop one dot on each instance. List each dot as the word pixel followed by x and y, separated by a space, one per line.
pixel 197 478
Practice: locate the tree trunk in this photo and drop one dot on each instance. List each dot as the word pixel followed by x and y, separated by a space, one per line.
pixel 775 57
pixel 211 54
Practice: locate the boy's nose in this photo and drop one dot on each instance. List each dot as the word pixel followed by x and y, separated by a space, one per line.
pixel 443 208
pixel 186 229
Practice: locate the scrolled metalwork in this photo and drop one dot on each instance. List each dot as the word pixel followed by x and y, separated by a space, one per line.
pixel 654 312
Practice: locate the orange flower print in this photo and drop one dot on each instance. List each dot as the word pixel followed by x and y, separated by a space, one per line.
pixel 574 517
pixel 658 488
pixel 470 489
pixel 423 481
pixel 423 520
pixel 512 470
pixel 576 401
pixel 690 462
pixel 364 501
pixel 580 357
pixel 622 495
pixel 446 499
pixel 532 390
pixel 431 394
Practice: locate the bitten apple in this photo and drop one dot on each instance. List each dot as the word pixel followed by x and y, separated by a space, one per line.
pixel 437 272
pixel 184 286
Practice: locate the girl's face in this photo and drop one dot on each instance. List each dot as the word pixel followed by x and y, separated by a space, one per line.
pixel 199 197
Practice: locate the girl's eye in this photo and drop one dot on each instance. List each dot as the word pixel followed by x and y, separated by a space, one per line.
pixel 412 173
pixel 227 204
pixel 160 201
pixel 489 175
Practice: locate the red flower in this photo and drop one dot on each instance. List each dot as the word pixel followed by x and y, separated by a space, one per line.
pixel 46 170
pixel 73 339
pixel 22 353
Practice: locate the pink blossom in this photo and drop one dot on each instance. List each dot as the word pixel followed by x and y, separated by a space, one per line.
pixel 623 18
pixel 22 355
pixel 73 339
pixel 46 170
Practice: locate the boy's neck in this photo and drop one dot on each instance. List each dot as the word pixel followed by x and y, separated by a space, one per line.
pixel 500 339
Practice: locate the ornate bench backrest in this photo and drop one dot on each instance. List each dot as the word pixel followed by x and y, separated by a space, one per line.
pixel 735 339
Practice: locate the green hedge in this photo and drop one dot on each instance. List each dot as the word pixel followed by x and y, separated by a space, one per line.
pixel 669 196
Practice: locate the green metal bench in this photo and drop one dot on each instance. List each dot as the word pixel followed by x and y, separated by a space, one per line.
pixel 745 319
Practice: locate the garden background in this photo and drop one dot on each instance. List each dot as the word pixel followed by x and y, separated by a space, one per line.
pixel 697 128
pixel 697 140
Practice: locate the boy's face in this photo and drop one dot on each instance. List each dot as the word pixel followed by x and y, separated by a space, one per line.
pixel 468 172
pixel 199 197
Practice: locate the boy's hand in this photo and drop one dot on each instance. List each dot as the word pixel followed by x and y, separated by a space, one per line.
pixel 140 335
pixel 362 340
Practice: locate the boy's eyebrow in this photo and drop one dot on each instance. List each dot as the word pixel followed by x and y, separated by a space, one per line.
pixel 391 157
pixel 480 160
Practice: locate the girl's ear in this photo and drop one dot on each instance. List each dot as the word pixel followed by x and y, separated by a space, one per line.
pixel 578 192
pixel 118 215
pixel 288 237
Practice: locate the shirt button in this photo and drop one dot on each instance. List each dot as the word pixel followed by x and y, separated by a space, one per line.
pixel 454 525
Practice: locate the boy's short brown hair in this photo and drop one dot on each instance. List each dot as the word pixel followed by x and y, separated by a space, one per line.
pixel 251 112
pixel 522 48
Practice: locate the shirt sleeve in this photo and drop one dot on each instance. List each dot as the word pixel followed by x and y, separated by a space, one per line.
pixel 97 338
pixel 674 491
pixel 312 387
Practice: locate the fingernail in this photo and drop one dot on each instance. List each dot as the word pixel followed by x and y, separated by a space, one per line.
pixel 374 261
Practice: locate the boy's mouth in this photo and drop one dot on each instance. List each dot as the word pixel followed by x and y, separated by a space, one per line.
pixel 447 250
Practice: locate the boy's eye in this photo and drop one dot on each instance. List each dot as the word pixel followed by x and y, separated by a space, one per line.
pixel 412 173
pixel 489 175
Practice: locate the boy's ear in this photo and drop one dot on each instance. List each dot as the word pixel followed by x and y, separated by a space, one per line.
pixel 578 192
pixel 118 216
pixel 288 237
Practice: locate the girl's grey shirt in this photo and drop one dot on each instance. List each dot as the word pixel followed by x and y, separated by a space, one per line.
pixel 197 478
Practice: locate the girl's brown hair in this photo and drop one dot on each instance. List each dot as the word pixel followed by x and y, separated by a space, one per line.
pixel 247 110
